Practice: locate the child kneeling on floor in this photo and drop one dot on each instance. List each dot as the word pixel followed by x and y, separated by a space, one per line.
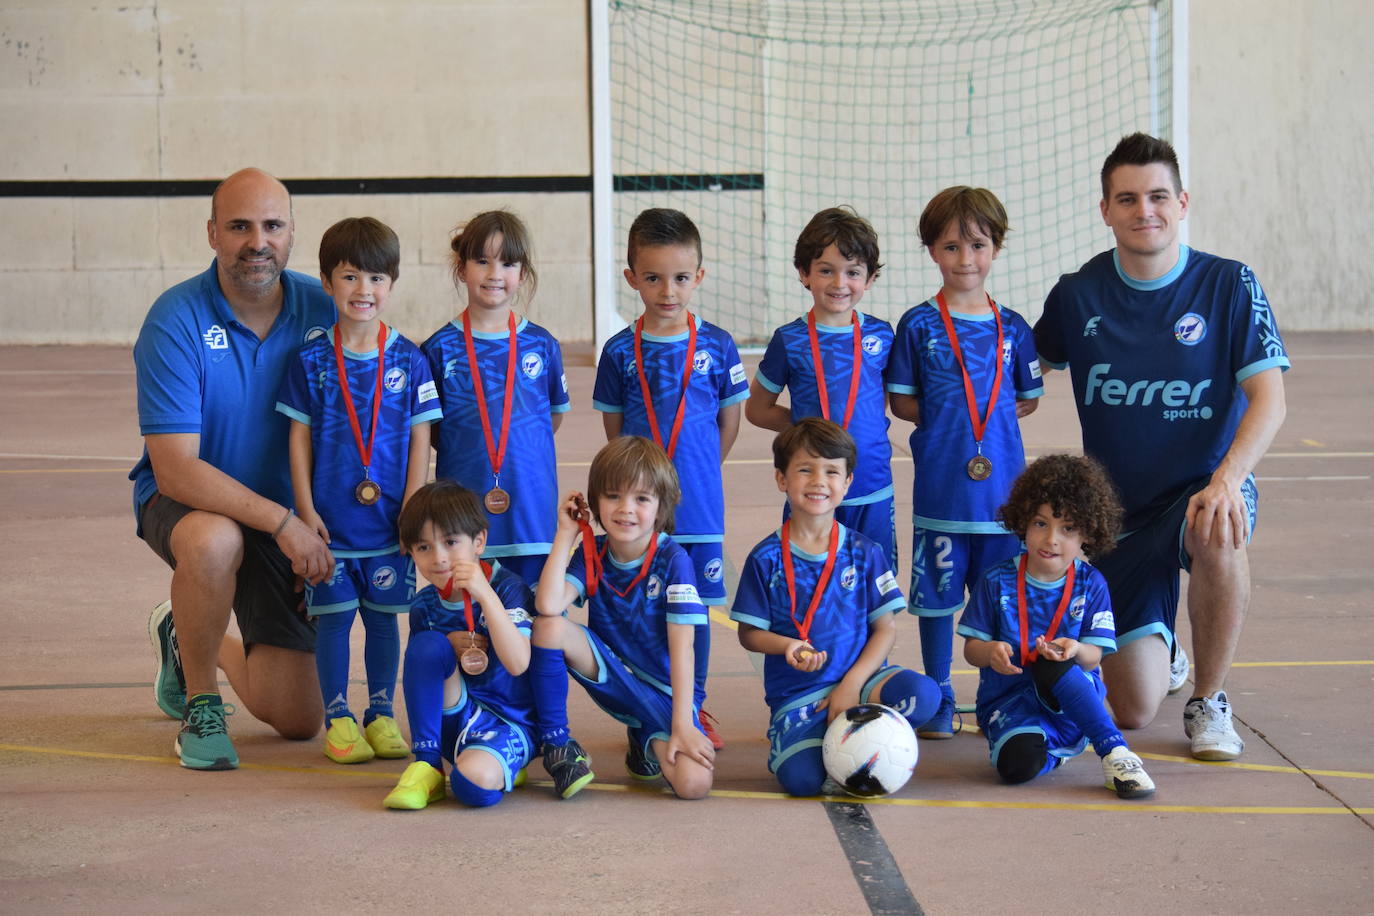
pixel 1039 623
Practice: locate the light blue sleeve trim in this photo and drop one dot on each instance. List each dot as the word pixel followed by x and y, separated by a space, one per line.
pixel 576 584
pixel 735 398
pixel 1032 393
pixel 897 388
pixel 757 623
pixel 688 620
pixel 293 413
pixel 942 524
pixel 969 632
pixel 606 408
pixel 1108 646
pixel 766 382
pixel 317 609
pixel 1125 639
pixel 363 554
pixel 1279 362
pixel 890 606
pixel 386 608
pixel 1051 363
pixel 875 496
pixel 433 415
pixel 561 408
pixel 699 538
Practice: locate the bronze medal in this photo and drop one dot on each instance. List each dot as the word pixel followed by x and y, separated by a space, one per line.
pixel 473 660
pixel 497 500
pixel 979 468
pixel 367 492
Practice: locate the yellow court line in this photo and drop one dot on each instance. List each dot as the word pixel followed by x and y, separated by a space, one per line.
pixel 768 796
pixel 1316 664
pixel 1259 767
pixel 723 619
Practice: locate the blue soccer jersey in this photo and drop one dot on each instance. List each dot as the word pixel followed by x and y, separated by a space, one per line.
pixel 1157 367
pixel 311 394
pixel 787 363
pixel 529 471
pixel 495 688
pixel 992 615
pixel 200 370
pixel 636 626
pixel 862 589
pixel 717 381
pixel 945 497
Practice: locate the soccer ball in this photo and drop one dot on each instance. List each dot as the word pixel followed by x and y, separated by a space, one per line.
pixel 870 750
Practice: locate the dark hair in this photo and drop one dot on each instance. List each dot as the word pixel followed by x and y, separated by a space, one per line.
pixel 451 507
pixel 629 461
pixel 822 438
pixel 1076 488
pixel 967 206
pixel 659 226
pixel 470 241
pixel 368 244
pixel 844 228
pixel 1140 149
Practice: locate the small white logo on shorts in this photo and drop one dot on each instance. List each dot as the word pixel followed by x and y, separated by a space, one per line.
pixel 385 577
pixel 532 365
pixel 848 578
pixel 395 380
pixel 216 338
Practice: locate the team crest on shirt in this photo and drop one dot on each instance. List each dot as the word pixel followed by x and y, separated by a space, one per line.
pixel 714 570
pixel 1006 352
pixel 1190 329
pixel 384 577
pixel 532 365
pixel 1077 607
pixel 848 577
pixel 395 380
pixel 1103 620
pixel 313 332
pixel 216 338
pixel 701 363
pixel 654 588
pixel 872 345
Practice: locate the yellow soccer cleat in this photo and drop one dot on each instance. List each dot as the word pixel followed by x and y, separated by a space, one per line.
pixel 385 737
pixel 343 743
pixel 420 785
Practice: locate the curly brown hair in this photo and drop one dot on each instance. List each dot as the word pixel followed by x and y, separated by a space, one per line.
pixel 1077 488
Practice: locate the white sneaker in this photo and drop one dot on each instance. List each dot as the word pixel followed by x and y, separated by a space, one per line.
pixel 1207 721
pixel 1126 774
pixel 1178 670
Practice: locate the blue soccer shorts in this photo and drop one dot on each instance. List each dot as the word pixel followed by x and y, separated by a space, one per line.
pixel 385 583
pixel 708 560
pixel 1142 572
pixel 1024 712
pixel 945 565
pixel 469 724
pixel 801 727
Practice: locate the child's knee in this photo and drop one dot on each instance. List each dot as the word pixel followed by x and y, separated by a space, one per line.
pixel 471 792
pixel 1022 757
pixel 802 774
pixel 547 632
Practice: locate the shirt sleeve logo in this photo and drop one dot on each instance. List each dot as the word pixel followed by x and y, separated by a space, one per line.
pixel 216 338
pixel 1103 620
pixel 887 582
pixel 427 392
pixel 737 374
pixel 683 593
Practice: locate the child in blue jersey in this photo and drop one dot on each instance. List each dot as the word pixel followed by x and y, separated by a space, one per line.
pixel 503 390
pixel 677 380
pixel 818 599
pixel 360 399
pixel 635 654
pixel 467 695
pixel 836 257
pixel 964 370
pixel 1039 623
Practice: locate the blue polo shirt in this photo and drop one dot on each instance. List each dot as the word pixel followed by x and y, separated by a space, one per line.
pixel 199 370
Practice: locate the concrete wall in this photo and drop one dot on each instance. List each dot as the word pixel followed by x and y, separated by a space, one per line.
pixel 181 90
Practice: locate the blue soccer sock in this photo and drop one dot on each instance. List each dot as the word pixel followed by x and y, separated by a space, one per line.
pixel 937 650
pixel 382 656
pixel 331 661
pixel 430 661
pixel 549 682
pixel 803 773
pixel 915 696
pixel 1079 699
pixel 470 793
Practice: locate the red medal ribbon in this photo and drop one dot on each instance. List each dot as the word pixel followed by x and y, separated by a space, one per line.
pixel 971 398
pixel 804 626
pixel 644 384
pixel 822 394
pixel 596 563
pixel 363 453
pixel 447 591
pixel 495 454
pixel 1028 654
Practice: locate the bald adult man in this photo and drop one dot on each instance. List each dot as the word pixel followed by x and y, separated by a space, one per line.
pixel 212 492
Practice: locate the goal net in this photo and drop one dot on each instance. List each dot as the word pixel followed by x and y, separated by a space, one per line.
pixel 751 115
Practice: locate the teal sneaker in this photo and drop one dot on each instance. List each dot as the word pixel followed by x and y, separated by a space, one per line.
pixel 169 687
pixel 203 742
